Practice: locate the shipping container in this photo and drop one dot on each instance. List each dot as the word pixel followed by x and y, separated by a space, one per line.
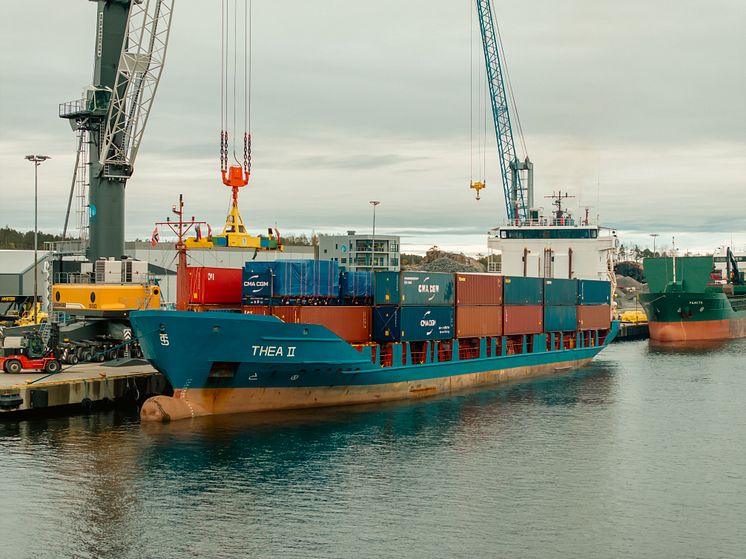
pixel 412 324
pixel 558 291
pixel 479 321
pixel 479 289
pixel 518 290
pixel 426 288
pixel 256 284
pixel 305 278
pixel 594 317
pixel 386 288
pixel 594 292
pixel 214 286
pixel 351 323
pixel 356 285
pixel 523 319
pixel 560 318
pixel 256 309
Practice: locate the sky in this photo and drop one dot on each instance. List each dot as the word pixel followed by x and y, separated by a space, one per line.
pixel 637 108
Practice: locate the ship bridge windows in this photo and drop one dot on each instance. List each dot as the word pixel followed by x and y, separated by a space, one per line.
pixel 560 233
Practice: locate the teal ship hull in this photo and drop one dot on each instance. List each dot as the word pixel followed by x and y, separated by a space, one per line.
pixel 228 363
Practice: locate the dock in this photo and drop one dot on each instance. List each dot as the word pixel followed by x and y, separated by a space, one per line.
pixel 81 385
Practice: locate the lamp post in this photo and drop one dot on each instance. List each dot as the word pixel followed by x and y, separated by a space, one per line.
pixel 373 203
pixel 654 235
pixel 36 160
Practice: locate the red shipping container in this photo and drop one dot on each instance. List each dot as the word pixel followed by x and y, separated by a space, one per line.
pixel 352 324
pixel 214 286
pixel 523 319
pixel 479 321
pixel 256 309
pixel 479 289
pixel 594 317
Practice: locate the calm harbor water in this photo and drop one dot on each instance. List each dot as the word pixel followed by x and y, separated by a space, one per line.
pixel 642 454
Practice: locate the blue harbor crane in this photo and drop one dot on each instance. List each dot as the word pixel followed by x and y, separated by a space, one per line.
pixel 518 193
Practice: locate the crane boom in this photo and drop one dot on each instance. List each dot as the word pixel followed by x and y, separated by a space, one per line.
pixel 138 74
pixel 517 195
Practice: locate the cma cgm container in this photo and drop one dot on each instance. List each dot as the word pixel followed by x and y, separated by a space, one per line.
pixel 479 289
pixel 256 284
pixel 594 317
pixel 479 321
pixel 412 324
pixel 523 319
pixel 214 286
pixel 426 288
pixel 386 288
pixel 305 278
pixel 594 292
pixel 560 318
pixel 518 290
pixel 352 324
pixel 558 291
pixel 356 285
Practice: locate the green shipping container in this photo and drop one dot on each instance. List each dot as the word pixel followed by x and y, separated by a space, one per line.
pixel 518 290
pixel 386 288
pixel 560 292
pixel 426 289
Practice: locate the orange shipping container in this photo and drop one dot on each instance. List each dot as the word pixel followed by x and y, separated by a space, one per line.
pixel 478 321
pixel 523 319
pixel 479 289
pixel 214 286
pixel 594 317
pixel 352 324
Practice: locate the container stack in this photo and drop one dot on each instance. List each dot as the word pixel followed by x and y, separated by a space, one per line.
pixel 523 300
pixel 479 311
pixel 560 305
pixel 356 288
pixel 413 306
pixel 594 305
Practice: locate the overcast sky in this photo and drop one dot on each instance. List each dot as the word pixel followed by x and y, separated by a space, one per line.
pixel 638 108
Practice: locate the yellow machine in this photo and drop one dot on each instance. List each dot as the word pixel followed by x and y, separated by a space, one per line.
pixel 104 299
pixel 235 235
pixel 27 317
pixel 634 316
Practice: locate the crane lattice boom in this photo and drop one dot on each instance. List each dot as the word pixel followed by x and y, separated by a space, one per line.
pixel 516 195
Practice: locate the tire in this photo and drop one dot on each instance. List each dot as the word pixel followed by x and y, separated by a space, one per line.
pixel 73 359
pixel 87 356
pixel 13 366
pixel 100 357
pixel 52 366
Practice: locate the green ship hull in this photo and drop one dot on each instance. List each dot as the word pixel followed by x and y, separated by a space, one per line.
pixel 689 305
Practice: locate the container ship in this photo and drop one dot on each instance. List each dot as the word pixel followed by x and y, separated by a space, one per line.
pixel 310 335
pixel 695 298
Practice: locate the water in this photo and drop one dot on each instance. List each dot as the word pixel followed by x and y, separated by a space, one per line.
pixel 643 454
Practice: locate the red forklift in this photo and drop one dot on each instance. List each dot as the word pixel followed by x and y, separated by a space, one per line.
pixel 29 355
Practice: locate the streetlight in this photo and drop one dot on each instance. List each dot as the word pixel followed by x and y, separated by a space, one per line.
pixel 36 160
pixel 654 235
pixel 373 203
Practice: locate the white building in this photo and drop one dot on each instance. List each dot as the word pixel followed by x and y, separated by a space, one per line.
pixel 361 252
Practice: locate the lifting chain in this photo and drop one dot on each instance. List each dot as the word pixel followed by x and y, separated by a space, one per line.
pixel 247 153
pixel 223 150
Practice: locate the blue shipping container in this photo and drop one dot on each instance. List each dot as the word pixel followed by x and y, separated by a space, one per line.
pixel 558 291
pixel 356 285
pixel 305 278
pixel 412 324
pixel 386 288
pixel 594 292
pixel 426 288
pixel 256 284
pixel 560 318
pixel 519 290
